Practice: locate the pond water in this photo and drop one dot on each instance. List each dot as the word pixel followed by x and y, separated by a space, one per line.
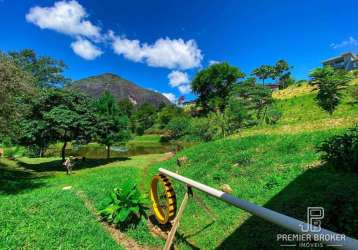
pixel 95 151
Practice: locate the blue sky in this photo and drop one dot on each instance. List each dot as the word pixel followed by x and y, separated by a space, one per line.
pixel 161 44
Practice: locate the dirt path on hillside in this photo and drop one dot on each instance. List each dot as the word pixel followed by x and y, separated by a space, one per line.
pixel 115 233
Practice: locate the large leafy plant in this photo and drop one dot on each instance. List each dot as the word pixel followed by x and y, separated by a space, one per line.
pixel 125 206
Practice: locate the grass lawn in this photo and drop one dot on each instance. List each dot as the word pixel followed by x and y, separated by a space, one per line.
pixel 35 213
pixel 280 172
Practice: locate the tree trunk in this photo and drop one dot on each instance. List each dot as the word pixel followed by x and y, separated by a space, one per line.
pixel 63 151
pixel 108 151
pixel 263 82
pixel 41 152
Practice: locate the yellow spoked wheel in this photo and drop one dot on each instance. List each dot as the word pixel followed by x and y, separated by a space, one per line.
pixel 163 199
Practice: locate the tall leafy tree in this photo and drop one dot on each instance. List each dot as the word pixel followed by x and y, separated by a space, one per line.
pixel 166 114
pixel 283 74
pixel 143 118
pixel 126 107
pixel 15 85
pixel 329 82
pixel 46 71
pixel 264 72
pixel 58 115
pixel 254 99
pixel 213 85
pixel 112 125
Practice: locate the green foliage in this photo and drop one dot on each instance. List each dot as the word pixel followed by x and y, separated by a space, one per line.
pixel 355 73
pixel 178 127
pixel 341 151
pixel 14 152
pixel 354 93
pixel 273 115
pixel 285 80
pixel 143 118
pixel 125 206
pixel 58 115
pixel 213 85
pixel 126 108
pixel 329 82
pixel 264 72
pixel 278 71
pixel 219 124
pixel 253 101
pixel 112 126
pixel 199 129
pixel 46 71
pixel 166 114
pixel 15 85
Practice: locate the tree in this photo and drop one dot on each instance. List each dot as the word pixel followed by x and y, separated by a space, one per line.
pixel 126 107
pixel 15 84
pixel 112 125
pixel 329 82
pixel 255 100
pixel 213 85
pixel 280 68
pixel 264 72
pixel 58 115
pixel 143 118
pixel 46 71
pixel 282 73
pixel 166 114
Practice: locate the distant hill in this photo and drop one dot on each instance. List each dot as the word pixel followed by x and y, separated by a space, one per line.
pixel 120 88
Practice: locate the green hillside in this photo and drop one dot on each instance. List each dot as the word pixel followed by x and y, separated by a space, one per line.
pixel 276 167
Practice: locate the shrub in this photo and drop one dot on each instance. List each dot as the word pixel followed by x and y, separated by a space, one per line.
pixel 178 127
pixel 140 130
pixel 199 129
pixel 272 116
pixel 341 151
pixel 355 73
pixel 125 206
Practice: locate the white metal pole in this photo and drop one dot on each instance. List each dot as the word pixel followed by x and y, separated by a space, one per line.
pixel 328 237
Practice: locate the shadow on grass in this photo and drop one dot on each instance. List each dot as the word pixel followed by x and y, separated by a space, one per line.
pixel 179 237
pixel 56 165
pixel 13 180
pixel 336 192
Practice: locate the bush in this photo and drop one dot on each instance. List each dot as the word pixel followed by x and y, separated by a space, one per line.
pixel 139 130
pixel 355 73
pixel 178 127
pixel 272 116
pixel 125 206
pixel 199 129
pixel 341 151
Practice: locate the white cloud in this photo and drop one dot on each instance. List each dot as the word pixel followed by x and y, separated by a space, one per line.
pixel 130 49
pixel 86 49
pixel 165 52
pixel 184 89
pixel 211 62
pixel 177 78
pixel 68 17
pixel 170 96
pixel 350 42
